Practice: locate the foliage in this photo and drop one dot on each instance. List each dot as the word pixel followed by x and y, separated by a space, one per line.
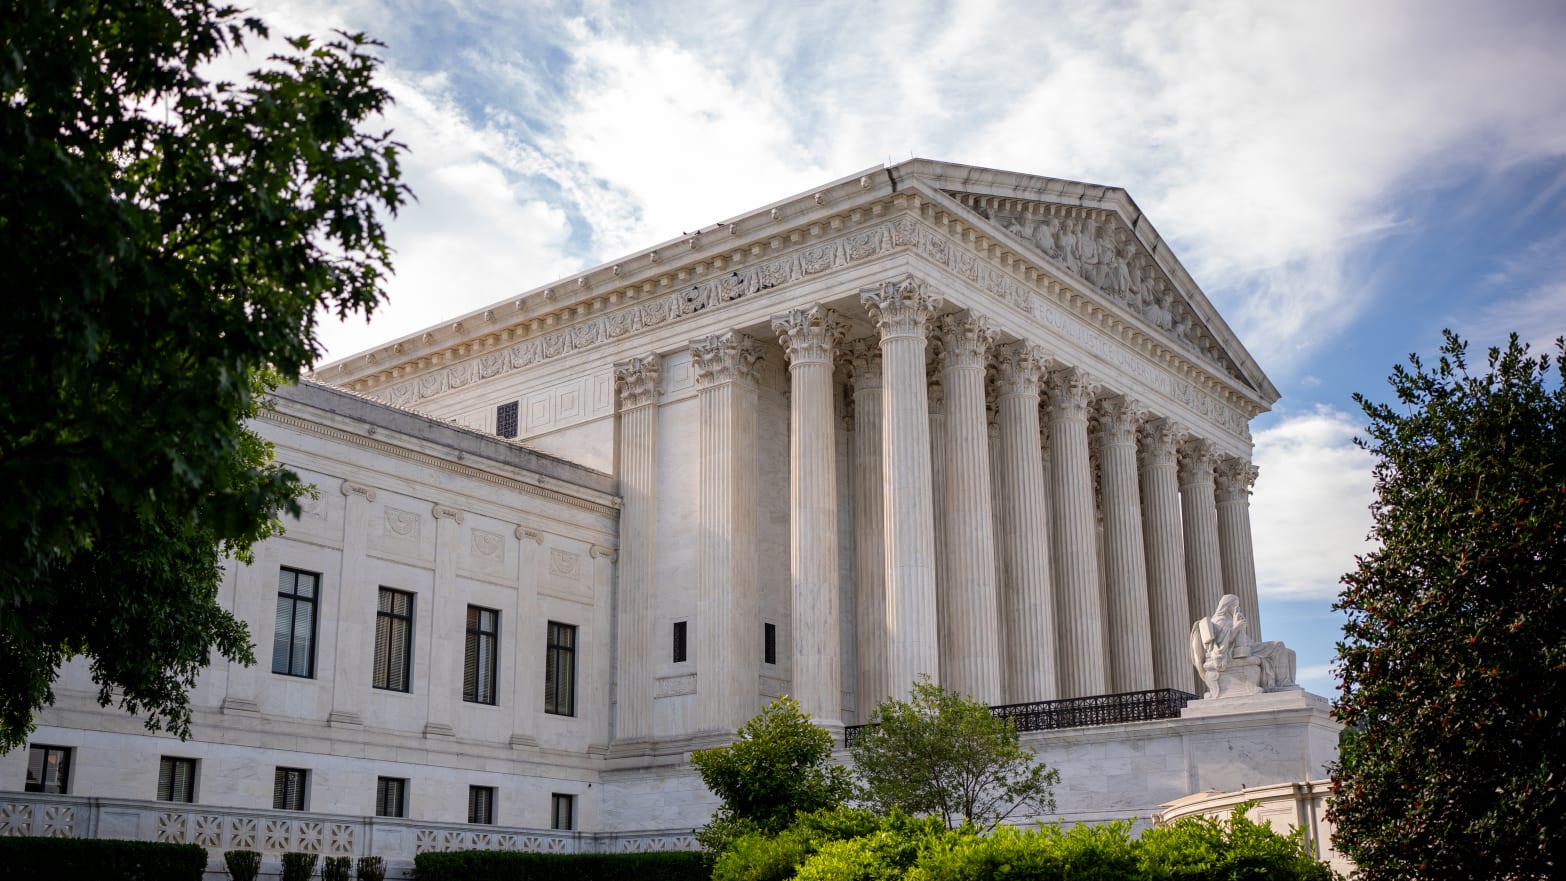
pixel 1203 847
pixel 169 242
pixel 88 859
pixel 760 857
pixel 243 865
pixel 1454 653
pixel 779 765
pixel 1082 853
pixel 298 866
pixel 372 869
pixel 337 869
pixel 939 753
pixel 482 865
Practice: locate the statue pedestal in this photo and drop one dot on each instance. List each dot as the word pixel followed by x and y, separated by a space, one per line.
pixel 1290 698
pixel 1241 677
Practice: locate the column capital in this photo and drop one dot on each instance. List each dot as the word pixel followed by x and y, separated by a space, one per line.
pixel 808 335
pixel 1234 477
pixel 965 339
pixel 902 307
pixel 1119 418
pixel 863 357
pixel 1070 391
pixel 637 381
pixel 1197 457
pixel 1021 368
pixel 1161 440
pixel 725 357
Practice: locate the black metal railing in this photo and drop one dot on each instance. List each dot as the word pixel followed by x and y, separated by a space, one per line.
pixel 1081 712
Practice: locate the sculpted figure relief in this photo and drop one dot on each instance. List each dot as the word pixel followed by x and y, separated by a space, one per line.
pixel 1229 662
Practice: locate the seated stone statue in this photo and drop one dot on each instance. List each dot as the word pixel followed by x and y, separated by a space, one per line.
pixel 1229 662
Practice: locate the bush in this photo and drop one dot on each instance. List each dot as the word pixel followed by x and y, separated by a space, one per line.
pixel 243 865
pixel 372 869
pixel 87 859
pixel 493 865
pixel 1203 847
pixel 337 869
pixel 1046 853
pixel 298 866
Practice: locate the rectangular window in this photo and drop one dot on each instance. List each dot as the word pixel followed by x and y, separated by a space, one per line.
pixel 478 665
pixel 288 789
pixel 177 779
pixel 481 804
pixel 506 420
pixel 562 811
pixel 560 670
pixel 293 639
pixel 679 642
pixel 49 769
pixel 393 640
pixel 769 640
pixel 391 794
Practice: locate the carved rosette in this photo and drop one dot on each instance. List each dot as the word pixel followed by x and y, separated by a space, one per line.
pixel 1021 369
pixel 965 339
pixel 902 307
pixel 863 358
pixel 1234 478
pixel 810 335
pixel 1119 418
pixel 1197 458
pixel 1070 392
pixel 637 381
pixel 725 357
pixel 1161 440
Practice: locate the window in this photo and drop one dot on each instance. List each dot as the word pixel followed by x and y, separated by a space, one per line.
pixel 679 642
pixel 560 670
pixel 176 779
pixel 293 639
pixel 391 794
pixel 288 789
pixel 393 635
pixel 478 665
pixel 506 420
pixel 769 639
pixel 481 804
pixel 49 769
pixel 562 811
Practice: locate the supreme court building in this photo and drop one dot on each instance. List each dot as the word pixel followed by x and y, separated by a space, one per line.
pixel 927 420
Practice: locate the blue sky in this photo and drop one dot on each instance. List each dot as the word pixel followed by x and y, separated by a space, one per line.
pixel 1343 179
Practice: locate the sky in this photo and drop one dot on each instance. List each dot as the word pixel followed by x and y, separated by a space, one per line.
pixel 1342 179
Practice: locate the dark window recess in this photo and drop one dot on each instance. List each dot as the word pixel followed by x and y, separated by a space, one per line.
pixel 478 666
pixel 679 642
pixel 293 637
pixel 177 779
pixel 506 420
pixel 288 789
pixel 393 640
pixel 562 811
pixel 391 794
pixel 560 670
pixel 49 769
pixel 481 804
pixel 769 639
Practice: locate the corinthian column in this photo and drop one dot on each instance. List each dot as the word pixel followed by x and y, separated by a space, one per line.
pixel 935 394
pixel 726 612
pixel 864 364
pixel 1234 477
pixel 1078 609
pixel 1203 572
pixel 1028 601
pixel 901 310
pixel 637 381
pixel 809 337
pixel 969 663
pixel 1125 561
pixel 1168 608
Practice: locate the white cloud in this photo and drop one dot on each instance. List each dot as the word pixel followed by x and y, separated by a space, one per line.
pixel 1310 512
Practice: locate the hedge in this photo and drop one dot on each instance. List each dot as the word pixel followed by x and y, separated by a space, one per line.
pixel 91 859
pixel 491 865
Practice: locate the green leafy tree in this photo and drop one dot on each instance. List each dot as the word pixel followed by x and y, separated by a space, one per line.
pixel 1454 654
pixel 168 242
pixel 941 754
pixel 780 765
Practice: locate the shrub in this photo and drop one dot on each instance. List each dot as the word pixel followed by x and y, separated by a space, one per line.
pixel 372 869
pixel 491 865
pixel 243 865
pixel 87 859
pixel 758 857
pixel 1203 847
pixel 337 869
pixel 298 866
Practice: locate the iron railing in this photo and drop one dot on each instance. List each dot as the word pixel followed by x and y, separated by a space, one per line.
pixel 1081 712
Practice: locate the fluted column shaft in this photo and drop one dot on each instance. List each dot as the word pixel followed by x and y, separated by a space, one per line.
pixel 1233 478
pixel 1028 600
pixel 1125 560
pixel 970 665
pixel 901 311
pixel 1169 610
pixel 638 384
pixel 1078 608
pixel 1203 571
pixel 864 359
pixel 727 615
pixel 935 393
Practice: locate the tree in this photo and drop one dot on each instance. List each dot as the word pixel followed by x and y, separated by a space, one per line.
pixel 941 754
pixel 1454 653
pixel 779 766
pixel 167 240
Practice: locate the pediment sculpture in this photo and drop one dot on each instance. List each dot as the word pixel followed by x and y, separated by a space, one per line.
pixel 1230 662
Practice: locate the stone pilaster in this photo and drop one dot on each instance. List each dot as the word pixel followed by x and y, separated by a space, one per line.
pixel 355 593
pixel 809 337
pixel 1028 602
pixel 637 381
pixel 901 310
pixel 1234 477
pixel 1125 560
pixel 864 365
pixel 970 665
pixel 1169 611
pixel 727 613
pixel 1078 607
pixel 441 666
pixel 1203 571
pixel 528 627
